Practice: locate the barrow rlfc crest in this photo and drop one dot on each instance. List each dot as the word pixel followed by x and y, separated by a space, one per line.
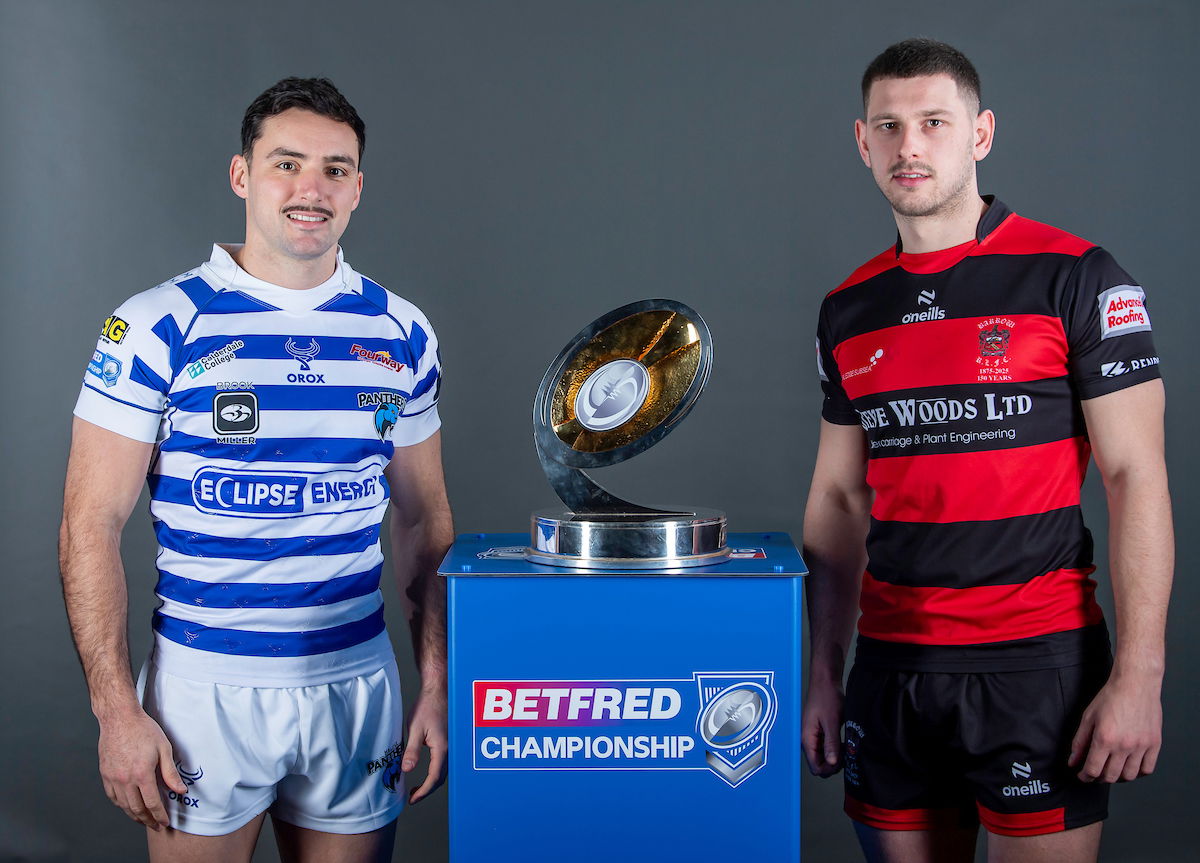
pixel 993 342
pixel 736 715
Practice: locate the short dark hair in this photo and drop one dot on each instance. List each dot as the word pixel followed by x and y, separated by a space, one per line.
pixel 913 58
pixel 310 94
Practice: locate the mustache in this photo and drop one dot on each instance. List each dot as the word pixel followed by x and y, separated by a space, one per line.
pixel 300 208
pixel 911 168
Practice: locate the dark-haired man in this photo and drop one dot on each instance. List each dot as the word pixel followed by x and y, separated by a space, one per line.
pixel 968 372
pixel 276 400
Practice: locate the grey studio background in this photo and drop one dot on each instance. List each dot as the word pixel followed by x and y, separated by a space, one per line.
pixel 531 165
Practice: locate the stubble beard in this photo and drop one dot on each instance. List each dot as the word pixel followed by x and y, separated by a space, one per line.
pixel 944 205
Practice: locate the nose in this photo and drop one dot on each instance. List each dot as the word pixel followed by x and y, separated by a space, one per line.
pixel 910 142
pixel 310 184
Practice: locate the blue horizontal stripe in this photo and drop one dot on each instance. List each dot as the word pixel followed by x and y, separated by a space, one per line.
pixel 374 293
pixel 287 397
pixel 343 451
pixel 237 303
pixel 195 544
pixel 331 348
pixel 241 642
pixel 264 595
pixel 122 401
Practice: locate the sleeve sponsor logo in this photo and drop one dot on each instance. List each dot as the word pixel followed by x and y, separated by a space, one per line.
pixel 106 367
pixel 283 494
pixel 820 365
pixel 1122 311
pixel 1120 367
pixel 114 330
pixel 715 721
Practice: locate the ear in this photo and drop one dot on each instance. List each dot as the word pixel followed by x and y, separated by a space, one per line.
pixel 238 171
pixel 985 131
pixel 860 136
pixel 358 192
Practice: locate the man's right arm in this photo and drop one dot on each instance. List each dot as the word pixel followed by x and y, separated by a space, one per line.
pixel 105 473
pixel 835 531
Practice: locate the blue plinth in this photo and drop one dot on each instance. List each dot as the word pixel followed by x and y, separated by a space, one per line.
pixel 624 715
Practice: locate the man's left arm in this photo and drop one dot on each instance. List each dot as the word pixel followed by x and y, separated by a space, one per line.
pixel 1121 731
pixel 421 531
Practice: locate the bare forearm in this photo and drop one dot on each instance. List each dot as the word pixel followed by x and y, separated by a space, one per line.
pixel 417 550
pixel 835 530
pixel 96 599
pixel 1142 562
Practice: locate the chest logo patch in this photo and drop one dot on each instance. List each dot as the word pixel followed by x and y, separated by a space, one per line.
pixel 995 338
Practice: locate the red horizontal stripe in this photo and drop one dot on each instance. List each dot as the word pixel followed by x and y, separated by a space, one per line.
pixel 1055 602
pixel 978 486
pixel 1023 823
pixel 881 263
pixel 899 819
pixel 1017 235
pixel 942 353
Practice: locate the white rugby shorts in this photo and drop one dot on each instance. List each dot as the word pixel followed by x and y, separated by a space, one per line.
pixel 322 757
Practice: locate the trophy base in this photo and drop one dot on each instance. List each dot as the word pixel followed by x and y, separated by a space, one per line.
pixel 628 540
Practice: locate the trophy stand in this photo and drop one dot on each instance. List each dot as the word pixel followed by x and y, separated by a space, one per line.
pixel 614 391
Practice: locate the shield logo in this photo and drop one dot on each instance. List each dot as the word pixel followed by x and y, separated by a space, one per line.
pixel 737 712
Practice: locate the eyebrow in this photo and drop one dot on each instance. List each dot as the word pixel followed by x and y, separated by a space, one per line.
pixel 335 159
pixel 928 112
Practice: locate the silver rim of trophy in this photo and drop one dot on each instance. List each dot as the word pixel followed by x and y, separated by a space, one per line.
pixel 617 388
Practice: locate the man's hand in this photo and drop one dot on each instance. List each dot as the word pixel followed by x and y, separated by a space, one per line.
pixel 134 752
pixel 821 728
pixel 1121 731
pixel 427 727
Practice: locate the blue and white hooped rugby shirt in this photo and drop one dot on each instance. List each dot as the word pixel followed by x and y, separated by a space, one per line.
pixel 274 413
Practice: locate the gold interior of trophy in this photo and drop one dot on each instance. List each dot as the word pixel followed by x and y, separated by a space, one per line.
pixel 666 343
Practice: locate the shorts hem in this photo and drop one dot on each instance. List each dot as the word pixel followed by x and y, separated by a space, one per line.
pixel 345 826
pixel 901 819
pixel 1035 823
pixel 220 827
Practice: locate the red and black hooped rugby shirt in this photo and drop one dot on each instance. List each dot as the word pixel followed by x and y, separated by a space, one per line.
pixel 965 367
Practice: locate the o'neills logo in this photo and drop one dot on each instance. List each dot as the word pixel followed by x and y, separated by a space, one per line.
pixel 862 370
pixel 1123 310
pixel 380 358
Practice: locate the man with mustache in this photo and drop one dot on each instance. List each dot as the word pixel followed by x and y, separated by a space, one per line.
pixel 276 400
pixel 968 372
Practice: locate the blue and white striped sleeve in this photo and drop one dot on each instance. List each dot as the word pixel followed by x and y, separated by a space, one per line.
pixel 127 380
pixel 420 417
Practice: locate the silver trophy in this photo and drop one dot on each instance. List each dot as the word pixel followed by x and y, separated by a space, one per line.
pixel 613 392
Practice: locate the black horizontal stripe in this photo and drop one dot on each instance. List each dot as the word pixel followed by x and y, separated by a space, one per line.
pixel 978 553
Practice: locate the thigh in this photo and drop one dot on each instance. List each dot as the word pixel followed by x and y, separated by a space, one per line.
pixel 900 770
pixel 1079 845
pixel 299 845
pixel 1017 729
pixel 175 846
pixel 951 844
pixel 224 750
pixel 347 777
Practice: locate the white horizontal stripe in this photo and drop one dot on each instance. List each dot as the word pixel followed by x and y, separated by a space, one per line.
pixel 276 619
pixel 286 570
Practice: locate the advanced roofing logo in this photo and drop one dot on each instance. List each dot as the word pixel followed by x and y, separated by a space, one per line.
pixel 715 721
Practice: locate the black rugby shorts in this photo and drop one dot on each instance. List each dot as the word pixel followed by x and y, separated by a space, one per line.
pixel 931 749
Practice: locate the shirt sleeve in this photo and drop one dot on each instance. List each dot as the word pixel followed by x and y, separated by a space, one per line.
pixel 1107 322
pixel 420 419
pixel 836 407
pixel 126 382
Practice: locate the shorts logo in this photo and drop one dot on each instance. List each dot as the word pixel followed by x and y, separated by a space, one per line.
pixel 106 367
pixel 190 778
pixel 1122 311
pixel 1023 770
pixel 388 765
pixel 235 413
pixel 114 329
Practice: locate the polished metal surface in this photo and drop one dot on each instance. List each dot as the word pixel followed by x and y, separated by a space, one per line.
pixel 628 540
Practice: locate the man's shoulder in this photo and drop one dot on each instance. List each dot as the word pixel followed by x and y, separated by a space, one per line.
pixel 387 301
pixel 178 295
pixel 1018 235
pixel 881 263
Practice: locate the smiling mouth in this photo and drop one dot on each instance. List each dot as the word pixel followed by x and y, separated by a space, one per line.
pixel 306 217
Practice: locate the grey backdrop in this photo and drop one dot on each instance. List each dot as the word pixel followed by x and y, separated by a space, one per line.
pixel 531 165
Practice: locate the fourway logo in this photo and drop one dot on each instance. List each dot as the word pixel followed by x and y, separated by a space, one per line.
pixel 717 721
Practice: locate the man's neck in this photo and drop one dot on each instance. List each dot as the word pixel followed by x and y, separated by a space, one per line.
pixel 298 275
pixel 919 234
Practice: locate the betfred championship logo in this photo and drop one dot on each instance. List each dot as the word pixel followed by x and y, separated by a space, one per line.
pixel 714 721
pixel 1123 310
